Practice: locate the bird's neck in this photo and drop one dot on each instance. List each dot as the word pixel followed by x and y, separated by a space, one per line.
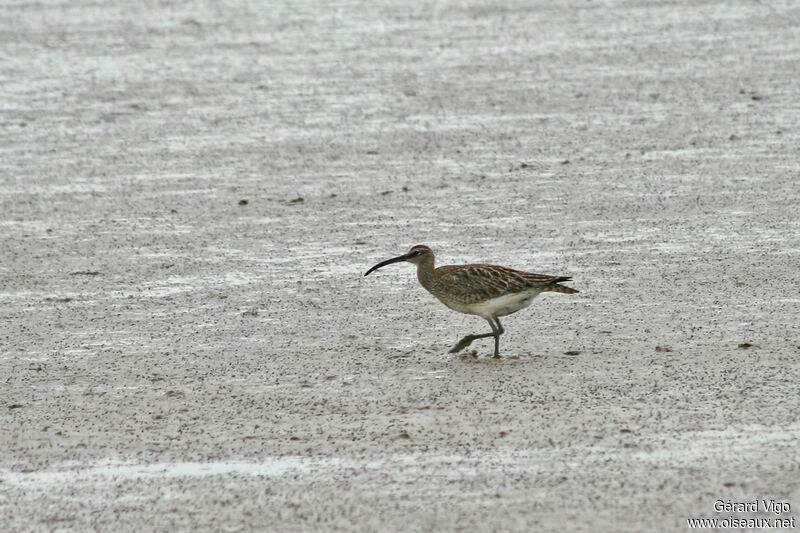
pixel 425 274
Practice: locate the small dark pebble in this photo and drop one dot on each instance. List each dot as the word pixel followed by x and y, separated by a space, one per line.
pixel 524 165
pixel 405 188
pixel 15 406
pixel 755 97
pixel 84 273
pixel 733 137
pixel 565 162
pixel 372 152
pixel 663 349
pixel 251 312
pixel 745 345
pixel 404 435
pixel 384 193
pixel 572 352
pixel 60 300
pixel 243 201
pixel 729 484
pixel 298 200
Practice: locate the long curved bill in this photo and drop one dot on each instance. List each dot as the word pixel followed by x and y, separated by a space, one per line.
pixel 387 262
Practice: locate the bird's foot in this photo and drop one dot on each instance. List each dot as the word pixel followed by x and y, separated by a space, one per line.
pixel 463 343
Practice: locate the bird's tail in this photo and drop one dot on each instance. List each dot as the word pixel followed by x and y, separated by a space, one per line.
pixel 555 287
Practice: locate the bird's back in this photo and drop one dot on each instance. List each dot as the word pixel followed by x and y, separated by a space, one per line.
pixel 471 284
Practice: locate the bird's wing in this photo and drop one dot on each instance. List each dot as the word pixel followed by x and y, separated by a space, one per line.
pixel 469 284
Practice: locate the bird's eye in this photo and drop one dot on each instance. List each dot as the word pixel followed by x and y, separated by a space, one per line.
pixel 415 252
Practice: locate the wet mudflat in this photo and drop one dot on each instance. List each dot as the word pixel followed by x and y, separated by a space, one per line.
pixel 190 193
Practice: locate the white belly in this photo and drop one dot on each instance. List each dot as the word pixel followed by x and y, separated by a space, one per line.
pixel 496 307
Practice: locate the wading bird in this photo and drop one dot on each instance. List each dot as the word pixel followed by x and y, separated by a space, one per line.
pixel 488 291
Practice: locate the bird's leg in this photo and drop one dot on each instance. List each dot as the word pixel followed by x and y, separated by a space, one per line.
pixel 497 332
pixel 466 341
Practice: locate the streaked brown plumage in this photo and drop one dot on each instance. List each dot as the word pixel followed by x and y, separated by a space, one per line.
pixel 489 291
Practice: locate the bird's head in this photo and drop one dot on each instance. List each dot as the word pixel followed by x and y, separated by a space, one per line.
pixel 417 254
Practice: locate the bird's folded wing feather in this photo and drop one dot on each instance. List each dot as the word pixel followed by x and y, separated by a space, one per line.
pixel 468 284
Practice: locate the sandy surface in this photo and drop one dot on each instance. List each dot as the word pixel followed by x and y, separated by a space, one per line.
pixel 174 358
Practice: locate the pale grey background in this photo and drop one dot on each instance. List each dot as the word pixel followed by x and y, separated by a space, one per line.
pixel 173 360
